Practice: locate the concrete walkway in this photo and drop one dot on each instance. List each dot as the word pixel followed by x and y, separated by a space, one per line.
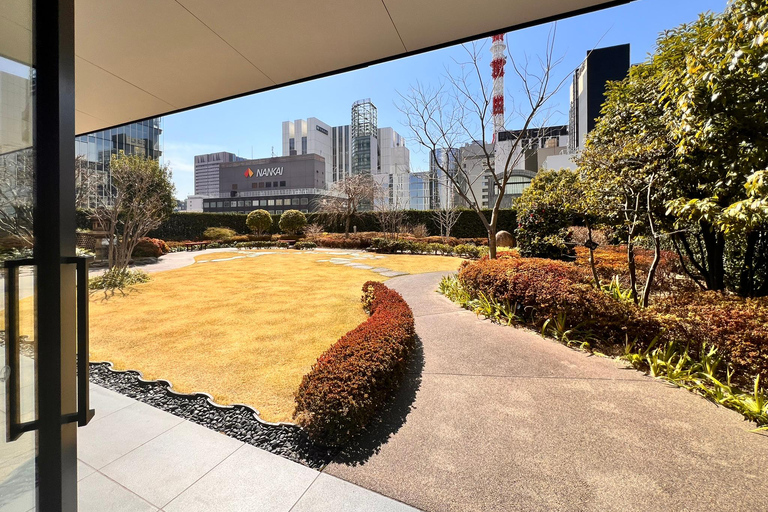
pixel 133 457
pixel 496 418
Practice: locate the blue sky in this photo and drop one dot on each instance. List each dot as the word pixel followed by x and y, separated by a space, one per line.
pixel 252 125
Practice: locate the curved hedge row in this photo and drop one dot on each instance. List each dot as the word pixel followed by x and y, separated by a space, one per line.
pixel 352 380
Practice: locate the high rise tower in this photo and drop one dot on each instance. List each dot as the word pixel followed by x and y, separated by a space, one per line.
pixel 497 72
pixel 364 131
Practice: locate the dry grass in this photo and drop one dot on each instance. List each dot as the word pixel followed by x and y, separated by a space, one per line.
pixel 244 330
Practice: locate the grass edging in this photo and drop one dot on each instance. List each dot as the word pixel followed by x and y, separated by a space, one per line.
pixel 666 361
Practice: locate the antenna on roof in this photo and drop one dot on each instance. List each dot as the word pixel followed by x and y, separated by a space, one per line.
pixel 273 152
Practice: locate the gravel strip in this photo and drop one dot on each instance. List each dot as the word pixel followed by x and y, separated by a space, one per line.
pixel 237 421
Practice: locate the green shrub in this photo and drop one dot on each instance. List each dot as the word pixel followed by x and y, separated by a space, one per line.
pixel 118 279
pixel 190 225
pixel 542 221
pixel 292 221
pixel 259 221
pixel 304 245
pixel 218 233
pixel 354 378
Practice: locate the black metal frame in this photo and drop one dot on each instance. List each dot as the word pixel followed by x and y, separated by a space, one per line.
pixel 54 228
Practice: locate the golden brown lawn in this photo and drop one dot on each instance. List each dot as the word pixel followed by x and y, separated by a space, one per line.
pixel 245 330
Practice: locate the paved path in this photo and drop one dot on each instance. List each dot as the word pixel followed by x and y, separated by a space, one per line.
pixel 133 457
pixel 496 418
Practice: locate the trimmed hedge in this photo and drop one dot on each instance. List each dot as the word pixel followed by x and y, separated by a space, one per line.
pixel 190 225
pixel 542 289
pixel 150 247
pixel 736 326
pixel 350 382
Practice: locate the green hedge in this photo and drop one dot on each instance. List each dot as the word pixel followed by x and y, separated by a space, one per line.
pixel 190 226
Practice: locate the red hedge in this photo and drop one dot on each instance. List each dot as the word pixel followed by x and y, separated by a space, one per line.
pixel 351 381
pixel 150 247
pixel 543 288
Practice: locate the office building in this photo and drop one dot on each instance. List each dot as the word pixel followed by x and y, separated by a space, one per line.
pixel 207 171
pixel 360 147
pixel 16 114
pixel 141 138
pixel 365 133
pixel 588 89
pixel 312 136
pixel 274 184
pixel 392 173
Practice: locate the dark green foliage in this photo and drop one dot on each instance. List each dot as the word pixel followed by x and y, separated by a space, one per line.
pixel 259 221
pixel 544 216
pixel 190 225
pixel 292 222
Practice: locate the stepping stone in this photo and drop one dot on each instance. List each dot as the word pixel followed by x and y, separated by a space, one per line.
pixel 381 269
pixel 228 259
pixel 321 261
pixel 361 267
pixel 393 273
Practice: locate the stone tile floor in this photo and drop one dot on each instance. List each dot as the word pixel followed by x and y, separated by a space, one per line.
pixel 133 457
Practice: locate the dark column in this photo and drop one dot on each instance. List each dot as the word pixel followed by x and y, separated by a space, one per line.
pixel 54 36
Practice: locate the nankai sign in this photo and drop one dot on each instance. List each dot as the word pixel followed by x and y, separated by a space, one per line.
pixel 260 173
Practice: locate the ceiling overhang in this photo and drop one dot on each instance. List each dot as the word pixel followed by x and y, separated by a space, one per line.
pixel 146 58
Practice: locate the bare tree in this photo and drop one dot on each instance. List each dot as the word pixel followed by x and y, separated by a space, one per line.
pixel 17 173
pixel 446 217
pixel 389 211
pixel 348 197
pixel 460 111
pixel 141 197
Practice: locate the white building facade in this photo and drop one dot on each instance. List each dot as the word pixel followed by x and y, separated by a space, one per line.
pixel 207 172
pixel 312 136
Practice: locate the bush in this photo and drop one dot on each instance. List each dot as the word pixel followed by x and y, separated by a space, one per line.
pixel 736 326
pixel 259 221
pixel 343 243
pixel 541 289
pixel 314 230
pixel 190 225
pixel 150 248
pixel 117 279
pixel 292 221
pixel 354 378
pixel 218 233
pixel 304 245
pixel 542 220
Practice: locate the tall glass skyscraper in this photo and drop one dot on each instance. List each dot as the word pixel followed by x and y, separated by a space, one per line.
pixel 141 138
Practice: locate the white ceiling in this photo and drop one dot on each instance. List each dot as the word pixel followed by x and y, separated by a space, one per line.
pixel 145 58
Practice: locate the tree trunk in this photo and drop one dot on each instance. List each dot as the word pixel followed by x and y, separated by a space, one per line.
pixel 747 274
pixel 632 268
pixel 592 255
pixel 652 271
pixel 714 245
pixel 347 224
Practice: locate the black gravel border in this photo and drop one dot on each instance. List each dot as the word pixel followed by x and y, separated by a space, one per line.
pixel 240 422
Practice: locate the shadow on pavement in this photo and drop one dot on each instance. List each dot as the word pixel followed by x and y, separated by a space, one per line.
pixel 392 417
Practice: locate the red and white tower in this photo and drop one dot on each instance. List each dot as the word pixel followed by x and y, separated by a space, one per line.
pixel 497 72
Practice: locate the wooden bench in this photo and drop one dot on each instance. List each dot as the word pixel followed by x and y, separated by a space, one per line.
pixel 190 246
